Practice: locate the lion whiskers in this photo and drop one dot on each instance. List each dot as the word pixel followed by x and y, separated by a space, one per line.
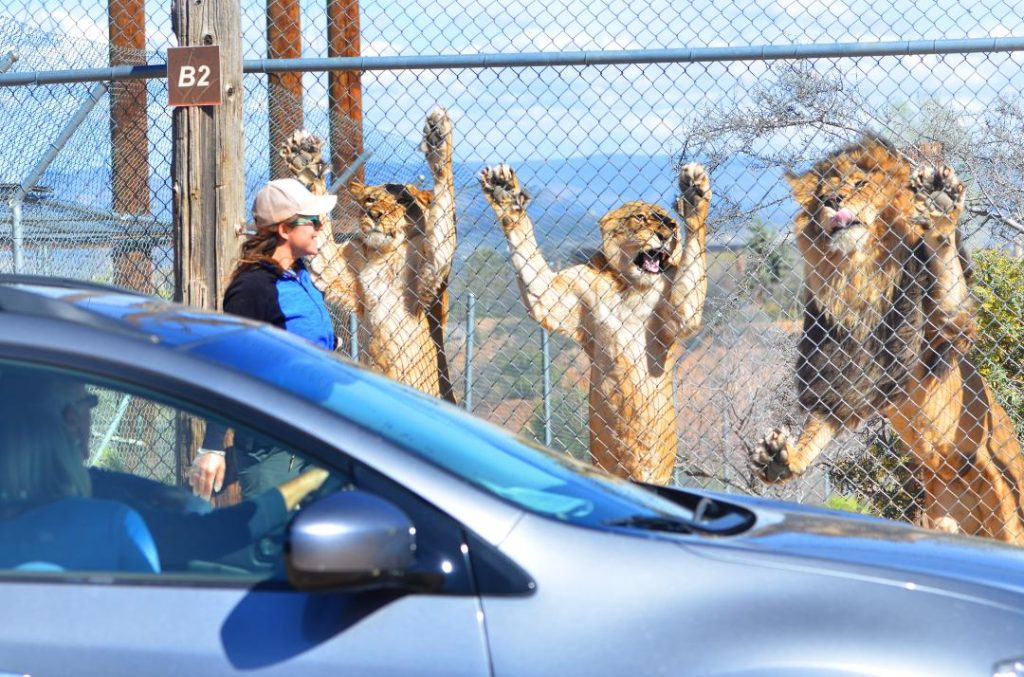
pixel 851 241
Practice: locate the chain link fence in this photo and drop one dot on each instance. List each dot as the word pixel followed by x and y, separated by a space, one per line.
pixel 582 140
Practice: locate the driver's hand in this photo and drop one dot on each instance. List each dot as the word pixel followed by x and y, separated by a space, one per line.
pixel 207 474
pixel 297 488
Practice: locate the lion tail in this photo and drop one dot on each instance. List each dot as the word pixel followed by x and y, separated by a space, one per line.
pixel 437 318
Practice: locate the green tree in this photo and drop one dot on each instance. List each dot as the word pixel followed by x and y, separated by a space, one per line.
pixel 880 482
pixel 999 348
pixel 768 260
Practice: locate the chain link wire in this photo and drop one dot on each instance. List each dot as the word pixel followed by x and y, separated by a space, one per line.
pixel 581 141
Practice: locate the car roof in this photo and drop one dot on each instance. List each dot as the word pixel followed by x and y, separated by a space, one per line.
pixel 114 309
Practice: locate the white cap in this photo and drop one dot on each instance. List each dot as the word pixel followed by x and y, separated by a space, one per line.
pixel 284 199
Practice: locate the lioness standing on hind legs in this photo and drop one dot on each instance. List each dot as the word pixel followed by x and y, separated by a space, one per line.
pixel 394 278
pixel 628 307
pixel 888 323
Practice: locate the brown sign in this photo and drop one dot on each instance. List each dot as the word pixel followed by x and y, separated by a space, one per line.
pixel 193 76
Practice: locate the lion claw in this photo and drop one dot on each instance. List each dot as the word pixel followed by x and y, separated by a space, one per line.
pixel 437 140
pixel 938 191
pixel 694 188
pixel 502 189
pixel 770 458
pixel 302 152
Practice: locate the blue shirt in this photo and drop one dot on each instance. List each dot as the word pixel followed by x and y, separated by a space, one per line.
pixel 288 300
pixel 78 534
pixel 305 312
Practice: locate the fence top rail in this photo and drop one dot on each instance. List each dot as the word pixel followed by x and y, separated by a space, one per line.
pixel 544 59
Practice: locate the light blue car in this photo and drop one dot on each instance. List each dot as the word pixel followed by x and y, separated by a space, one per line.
pixel 440 544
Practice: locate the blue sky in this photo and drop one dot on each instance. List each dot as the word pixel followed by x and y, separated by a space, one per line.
pixel 567 111
pixel 540 115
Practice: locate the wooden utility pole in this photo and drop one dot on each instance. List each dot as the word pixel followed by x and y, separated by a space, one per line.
pixel 207 172
pixel 206 167
pixel 284 41
pixel 132 256
pixel 346 104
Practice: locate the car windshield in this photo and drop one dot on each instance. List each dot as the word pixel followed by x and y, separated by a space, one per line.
pixel 535 478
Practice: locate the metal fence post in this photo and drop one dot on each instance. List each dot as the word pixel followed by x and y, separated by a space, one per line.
pixel 17 232
pixel 353 337
pixel 467 397
pixel 546 368
pixel 349 172
pixel 115 423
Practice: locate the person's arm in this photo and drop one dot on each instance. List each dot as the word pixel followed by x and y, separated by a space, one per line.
pixel 297 488
pixel 251 294
pixel 185 537
pixel 210 464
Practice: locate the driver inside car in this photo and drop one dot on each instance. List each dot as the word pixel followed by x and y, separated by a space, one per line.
pixel 49 518
pixel 182 537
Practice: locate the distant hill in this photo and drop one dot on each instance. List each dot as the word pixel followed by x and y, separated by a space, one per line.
pixel 568 195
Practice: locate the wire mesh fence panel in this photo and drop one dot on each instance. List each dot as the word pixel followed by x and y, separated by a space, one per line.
pixel 134 435
pixel 661 318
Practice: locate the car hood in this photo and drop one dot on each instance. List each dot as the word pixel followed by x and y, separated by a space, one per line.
pixel 849 544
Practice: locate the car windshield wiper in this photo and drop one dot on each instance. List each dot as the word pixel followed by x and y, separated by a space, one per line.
pixel 654 523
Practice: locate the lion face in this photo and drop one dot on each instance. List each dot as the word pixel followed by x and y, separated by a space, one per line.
pixel 389 212
pixel 848 199
pixel 640 241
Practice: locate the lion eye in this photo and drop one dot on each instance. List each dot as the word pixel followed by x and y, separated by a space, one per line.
pixel 637 218
pixel 860 184
pixel 831 201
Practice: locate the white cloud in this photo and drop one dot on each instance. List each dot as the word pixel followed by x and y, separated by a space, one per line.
pixel 75 23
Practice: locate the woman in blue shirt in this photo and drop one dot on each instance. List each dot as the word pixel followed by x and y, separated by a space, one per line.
pixel 271 284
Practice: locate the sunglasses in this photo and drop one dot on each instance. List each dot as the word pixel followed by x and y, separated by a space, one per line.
pixel 307 221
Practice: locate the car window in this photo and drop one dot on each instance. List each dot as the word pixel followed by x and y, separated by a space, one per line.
pixel 489 457
pixel 95 477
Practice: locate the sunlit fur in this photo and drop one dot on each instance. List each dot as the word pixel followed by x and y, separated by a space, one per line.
pixel 629 307
pixel 888 324
pixel 394 277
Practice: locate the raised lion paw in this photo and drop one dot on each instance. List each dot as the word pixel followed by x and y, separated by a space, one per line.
pixel 437 141
pixel 303 153
pixel 694 189
pixel 771 456
pixel 945 523
pixel 502 190
pixel 938 197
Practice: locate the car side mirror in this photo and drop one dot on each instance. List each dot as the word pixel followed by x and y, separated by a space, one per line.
pixel 350 539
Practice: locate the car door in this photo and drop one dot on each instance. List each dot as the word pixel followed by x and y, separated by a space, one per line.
pixel 217 600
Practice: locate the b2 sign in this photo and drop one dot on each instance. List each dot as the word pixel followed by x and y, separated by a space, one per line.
pixel 193 76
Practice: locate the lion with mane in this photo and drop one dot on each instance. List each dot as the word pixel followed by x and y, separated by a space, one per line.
pixel 888 324
pixel 629 307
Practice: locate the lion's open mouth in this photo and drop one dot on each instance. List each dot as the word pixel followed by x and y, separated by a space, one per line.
pixel 377 238
pixel 652 261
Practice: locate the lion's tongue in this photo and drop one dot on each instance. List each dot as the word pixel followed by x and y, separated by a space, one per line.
pixel 842 219
pixel 651 264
